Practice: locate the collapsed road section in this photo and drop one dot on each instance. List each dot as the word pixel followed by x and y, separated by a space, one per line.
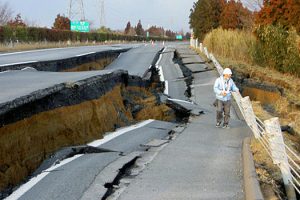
pixel 63 59
pixel 44 111
pixel 41 112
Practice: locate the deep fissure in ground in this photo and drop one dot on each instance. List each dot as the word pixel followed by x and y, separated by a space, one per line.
pixel 31 132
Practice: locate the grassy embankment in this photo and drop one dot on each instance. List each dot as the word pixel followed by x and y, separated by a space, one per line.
pixel 237 49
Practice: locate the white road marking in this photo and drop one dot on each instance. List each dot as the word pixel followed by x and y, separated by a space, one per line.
pixel 119 132
pixel 84 54
pixel 159 59
pixel 166 88
pixel 32 182
pixel 32 51
pixel 179 100
pixel 164 49
pixel 161 74
pixel 5 71
pixel 18 63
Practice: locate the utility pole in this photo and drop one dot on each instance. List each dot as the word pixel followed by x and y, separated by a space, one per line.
pixel 102 13
pixel 76 10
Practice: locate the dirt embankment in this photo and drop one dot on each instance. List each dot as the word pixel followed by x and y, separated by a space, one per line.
pixel 278 94
pixel 97 64
pixel 74 115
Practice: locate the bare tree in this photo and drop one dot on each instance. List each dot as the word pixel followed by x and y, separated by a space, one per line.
pixel 5 13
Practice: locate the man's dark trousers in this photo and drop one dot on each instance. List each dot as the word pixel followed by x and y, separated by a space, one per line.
pixel 223 106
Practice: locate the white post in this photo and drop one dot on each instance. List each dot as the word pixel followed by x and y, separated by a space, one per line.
pixel 216 63
pixel 201 47
pixel 279 156
pixel 206 52
pixel 197 43
pixel 250 116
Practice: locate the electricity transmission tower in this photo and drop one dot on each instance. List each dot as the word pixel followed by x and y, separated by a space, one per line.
pixel 76 10
pixel 102 13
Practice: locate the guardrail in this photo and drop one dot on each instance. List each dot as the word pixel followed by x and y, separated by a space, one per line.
pixel 268 133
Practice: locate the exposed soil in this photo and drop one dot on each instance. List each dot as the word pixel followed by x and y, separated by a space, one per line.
pixel 26 143
pixel 98 64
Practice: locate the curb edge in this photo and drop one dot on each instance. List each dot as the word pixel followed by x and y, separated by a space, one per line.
pixel 251 184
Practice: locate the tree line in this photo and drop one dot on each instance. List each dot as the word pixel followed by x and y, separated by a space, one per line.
pixel 16 29
pixel 207 15
pixel 152 31
pixel 275 26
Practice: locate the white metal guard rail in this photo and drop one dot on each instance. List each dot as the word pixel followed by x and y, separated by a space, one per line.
pixel 268 133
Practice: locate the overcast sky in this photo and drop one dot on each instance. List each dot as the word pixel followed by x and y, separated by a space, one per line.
pixel 171 14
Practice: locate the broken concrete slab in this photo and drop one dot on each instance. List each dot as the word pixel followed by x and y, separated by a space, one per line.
pixel 69 152
pixel 198 68
pixel 192 59
pixel 185 107
pixel 155 143
pixel 61 62
pixel 31 92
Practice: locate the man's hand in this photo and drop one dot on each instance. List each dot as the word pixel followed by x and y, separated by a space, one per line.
pixel 224 93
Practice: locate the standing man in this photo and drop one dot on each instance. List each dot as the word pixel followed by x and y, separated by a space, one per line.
pixel 223 87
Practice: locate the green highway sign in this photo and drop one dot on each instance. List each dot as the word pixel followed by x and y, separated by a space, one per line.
pixel 178 37
pixel 80 26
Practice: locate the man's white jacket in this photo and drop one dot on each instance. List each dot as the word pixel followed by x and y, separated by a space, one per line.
pixel 222 85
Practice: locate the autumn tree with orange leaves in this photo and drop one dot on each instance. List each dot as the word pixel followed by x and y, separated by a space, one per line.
pixel 236 16
pixel 62 23
pixel 17 22
pixel 285 13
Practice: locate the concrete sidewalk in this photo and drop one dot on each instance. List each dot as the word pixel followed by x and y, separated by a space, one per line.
pixel 204 162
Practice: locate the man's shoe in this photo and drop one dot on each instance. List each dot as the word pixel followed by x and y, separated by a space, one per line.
pixel 218 125
pixel 226 126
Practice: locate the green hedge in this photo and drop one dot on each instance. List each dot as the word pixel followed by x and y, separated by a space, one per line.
pixel 277 48
pixel 33 34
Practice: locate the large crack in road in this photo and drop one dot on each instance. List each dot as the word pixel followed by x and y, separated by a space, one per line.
pixel 78 111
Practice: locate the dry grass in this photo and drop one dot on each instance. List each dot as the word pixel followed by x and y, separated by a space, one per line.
pixel 268 174
pixel 260 112
pixel 233 44
pixel 298 41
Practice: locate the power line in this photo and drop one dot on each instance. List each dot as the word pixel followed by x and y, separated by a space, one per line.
pixel 76 10
pixel 102 13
